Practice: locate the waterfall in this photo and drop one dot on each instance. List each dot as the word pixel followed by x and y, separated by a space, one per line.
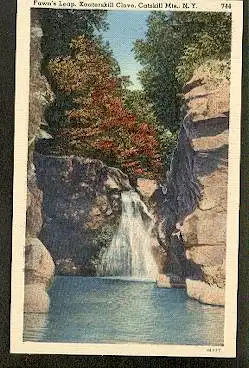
pixel 129 253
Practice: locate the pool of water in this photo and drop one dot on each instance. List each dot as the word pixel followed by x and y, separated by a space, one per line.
pixel 114 310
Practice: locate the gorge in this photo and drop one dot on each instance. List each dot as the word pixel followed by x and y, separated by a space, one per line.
pixel 89 223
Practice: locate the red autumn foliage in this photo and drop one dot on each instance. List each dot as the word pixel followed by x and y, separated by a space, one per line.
pixel 99 121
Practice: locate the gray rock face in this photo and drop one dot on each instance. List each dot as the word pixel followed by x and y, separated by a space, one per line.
pixel 195 201
pixel 81 206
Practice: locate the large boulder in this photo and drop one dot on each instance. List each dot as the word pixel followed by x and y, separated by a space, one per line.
pixel 39 272
pixel 205 293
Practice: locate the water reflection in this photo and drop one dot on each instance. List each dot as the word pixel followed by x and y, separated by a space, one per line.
pixel 35 326
pixel 209 324
pixel 192 304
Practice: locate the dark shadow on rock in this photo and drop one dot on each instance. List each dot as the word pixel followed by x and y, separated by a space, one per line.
pixel 189 86
pixel 177 282
pixel 211 160
pixel 210 127
pixel 202 95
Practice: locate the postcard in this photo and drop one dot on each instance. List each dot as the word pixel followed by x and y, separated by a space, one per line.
pixel 126 178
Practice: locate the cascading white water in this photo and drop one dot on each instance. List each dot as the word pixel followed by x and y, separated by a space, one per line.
pixel 129 253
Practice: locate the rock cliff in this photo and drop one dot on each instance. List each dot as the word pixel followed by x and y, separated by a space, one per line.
pixel 39 266
pixel 81 206
pixel 195 195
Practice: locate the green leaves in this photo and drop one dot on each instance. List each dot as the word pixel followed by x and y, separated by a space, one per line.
pixel 174 46
pixel 96 122
pixel 60 26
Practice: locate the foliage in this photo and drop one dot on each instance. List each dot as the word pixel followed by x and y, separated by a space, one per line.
pixel 175 45
pixel 137 103
pixel 94 114
pixel 60 26
pixel 97 122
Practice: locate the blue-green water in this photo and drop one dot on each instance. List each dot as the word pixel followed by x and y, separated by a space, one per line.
pixel 109 310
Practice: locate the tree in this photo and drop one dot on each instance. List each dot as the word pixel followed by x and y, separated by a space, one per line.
pixel 96 122
pixel 60 26
pixel 174 46
pixel 136 102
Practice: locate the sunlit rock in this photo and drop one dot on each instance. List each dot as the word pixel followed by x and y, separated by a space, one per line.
pixel 39 272
pixel 146 187
pixel 205 293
